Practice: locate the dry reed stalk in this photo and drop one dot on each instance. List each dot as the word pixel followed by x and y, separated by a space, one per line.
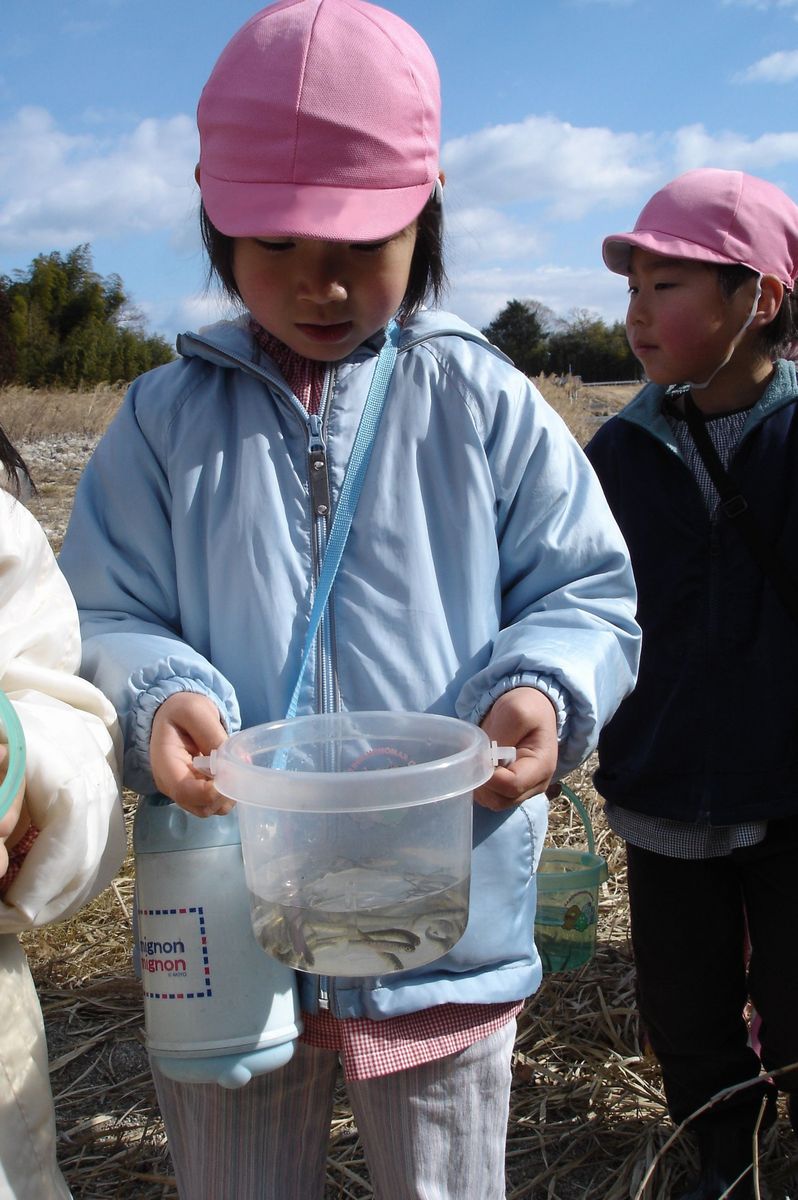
pixel 30 413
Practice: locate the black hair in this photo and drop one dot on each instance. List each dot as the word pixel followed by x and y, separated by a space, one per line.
pixel 775 338
pixel 427 269
pixel 427 278
pixel 14 465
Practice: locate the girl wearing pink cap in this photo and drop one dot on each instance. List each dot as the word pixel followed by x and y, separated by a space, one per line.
pixel 698 766
pixel 483 576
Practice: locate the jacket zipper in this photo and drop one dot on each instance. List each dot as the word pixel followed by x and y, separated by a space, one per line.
pixel 327 691
pixel 319 480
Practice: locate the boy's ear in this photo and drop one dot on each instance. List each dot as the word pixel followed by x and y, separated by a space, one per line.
pixel 770 298
pixel 197 174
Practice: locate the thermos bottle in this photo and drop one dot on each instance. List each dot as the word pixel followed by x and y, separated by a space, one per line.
pixel 217 1008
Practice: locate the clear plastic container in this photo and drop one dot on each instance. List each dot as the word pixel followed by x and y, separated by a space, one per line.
pixel 356 835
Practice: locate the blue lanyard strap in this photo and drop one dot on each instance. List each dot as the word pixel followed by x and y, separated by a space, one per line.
pixel 350 493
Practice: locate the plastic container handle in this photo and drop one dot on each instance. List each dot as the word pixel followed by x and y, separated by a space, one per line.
pixel 583 813
pixel 205 763
pixel 502 756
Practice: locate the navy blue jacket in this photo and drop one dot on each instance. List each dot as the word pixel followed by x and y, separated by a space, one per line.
pixel 711 730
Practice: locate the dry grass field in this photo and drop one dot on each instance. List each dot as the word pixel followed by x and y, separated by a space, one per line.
pixel 586 1118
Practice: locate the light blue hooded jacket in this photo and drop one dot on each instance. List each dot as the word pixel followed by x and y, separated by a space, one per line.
pixel 482 556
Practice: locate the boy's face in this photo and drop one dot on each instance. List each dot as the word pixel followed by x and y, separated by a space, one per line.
pixel 679 323
pixel 323 299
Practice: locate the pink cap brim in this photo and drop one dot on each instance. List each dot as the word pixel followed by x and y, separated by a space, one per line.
pixel 616 250
pixel 334 214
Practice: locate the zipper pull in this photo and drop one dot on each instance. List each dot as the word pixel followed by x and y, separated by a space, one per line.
pixel 317 468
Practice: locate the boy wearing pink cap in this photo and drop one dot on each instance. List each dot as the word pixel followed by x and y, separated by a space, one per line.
pixel 698 766
pixel 483 576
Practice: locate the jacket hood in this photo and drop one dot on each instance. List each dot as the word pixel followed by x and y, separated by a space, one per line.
pixel 230 343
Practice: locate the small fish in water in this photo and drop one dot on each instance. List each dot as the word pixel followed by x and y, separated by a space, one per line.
pixel 443 930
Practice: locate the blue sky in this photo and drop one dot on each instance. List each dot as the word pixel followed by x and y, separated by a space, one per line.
pixel 560 118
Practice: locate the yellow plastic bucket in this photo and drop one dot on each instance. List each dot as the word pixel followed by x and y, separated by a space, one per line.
pixel 567 910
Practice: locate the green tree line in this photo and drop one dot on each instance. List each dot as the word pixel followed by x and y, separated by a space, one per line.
pixel 539 343
pixel 62 324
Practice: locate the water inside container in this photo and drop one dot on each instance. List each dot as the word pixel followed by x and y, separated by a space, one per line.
pixel 360 921
pixel 568 883
pixel 356 835
pixel 565 930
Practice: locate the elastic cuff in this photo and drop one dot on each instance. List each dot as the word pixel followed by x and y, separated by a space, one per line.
pixel 543 683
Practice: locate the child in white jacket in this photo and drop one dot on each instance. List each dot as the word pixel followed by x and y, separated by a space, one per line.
pixel 63 837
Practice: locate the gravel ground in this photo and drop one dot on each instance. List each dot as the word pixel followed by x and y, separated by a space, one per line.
pixel 55 463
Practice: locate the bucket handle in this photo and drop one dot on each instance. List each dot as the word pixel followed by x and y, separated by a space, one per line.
pixel 205 764
pixel 500 755
pixel 583 813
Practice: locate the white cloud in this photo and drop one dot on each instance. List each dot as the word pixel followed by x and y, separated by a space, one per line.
pixel 781 67
pixel 59 188
pixel 479 294
pixel 694 147
pixel 203 308
pixel 570 170
pixel 188 312
pixel 487 234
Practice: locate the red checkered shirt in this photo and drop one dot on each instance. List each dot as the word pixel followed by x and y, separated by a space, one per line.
pixel 16 858
pixel 372 1048
pixel 304 376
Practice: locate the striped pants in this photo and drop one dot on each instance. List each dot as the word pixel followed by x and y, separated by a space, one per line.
pixel 435 1132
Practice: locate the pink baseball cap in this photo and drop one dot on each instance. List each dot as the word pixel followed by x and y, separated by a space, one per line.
pixel 715 216
pixel 321 118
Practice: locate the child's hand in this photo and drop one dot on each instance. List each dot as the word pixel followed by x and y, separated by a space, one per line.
pixel 15 822
pixel 525 718
pixel 185 725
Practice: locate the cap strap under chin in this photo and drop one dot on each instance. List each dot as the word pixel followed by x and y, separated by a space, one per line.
pixel 699 387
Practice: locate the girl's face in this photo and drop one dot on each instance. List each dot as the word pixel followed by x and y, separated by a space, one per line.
pixel 323 299
pixel 679 323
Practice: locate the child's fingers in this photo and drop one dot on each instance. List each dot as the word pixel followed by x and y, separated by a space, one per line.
pixel 509 786
pixel 187 725
pixel 200 797
pixel 177 777
pixel 524 718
